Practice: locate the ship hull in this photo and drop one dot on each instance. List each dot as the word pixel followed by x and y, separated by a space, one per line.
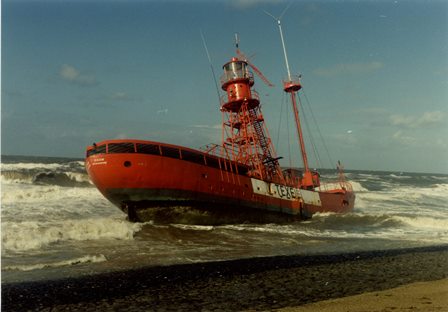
pixel 161 182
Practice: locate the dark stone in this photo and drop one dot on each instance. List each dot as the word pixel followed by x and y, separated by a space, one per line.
pixel 251 284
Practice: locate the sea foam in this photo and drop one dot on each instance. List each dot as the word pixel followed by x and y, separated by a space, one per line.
pixel 357 187
pixel 31 235
pixel 424 223
pixel 31 166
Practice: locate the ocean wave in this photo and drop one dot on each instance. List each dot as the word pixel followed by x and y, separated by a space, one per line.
pixel 16 177
pixel 353 220
pixel 62 179
pixel 369 176
pixel 54 165
pixel 439 178
pixel 424 223
pixel 404 198
pixel 357 187
pixel 69 262
pixel 300 232
pixel 355 225
pixel 267 228
pixel 69 174
pixel 67 179
pixel 400 176
pixel 49 194
pixel 440 189
pixel 320 222
pixel 193 227
pixel 31 235
pixel 31 166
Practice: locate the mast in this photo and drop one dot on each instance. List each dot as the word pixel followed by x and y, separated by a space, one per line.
pixel 284 49
pixel 292 86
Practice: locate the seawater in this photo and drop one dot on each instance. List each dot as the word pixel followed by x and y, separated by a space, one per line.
pixel 55 224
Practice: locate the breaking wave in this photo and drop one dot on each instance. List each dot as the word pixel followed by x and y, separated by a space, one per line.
pixel 51 196
pixel 70 174
pixel 193 227
pixel 67 179
pixel 69 262
pixel 400 176
pixel 424 223
pixel 355 225
pixel 32 235
pixel 357 187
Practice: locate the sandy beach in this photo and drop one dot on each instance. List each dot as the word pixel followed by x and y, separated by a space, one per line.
pixel 290 283
pixel 421 296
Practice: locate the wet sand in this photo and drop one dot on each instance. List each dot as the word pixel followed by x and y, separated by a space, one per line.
pixel 256 284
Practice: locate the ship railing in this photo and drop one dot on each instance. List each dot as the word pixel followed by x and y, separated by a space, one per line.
pixel 295 79
pixel 226 99
pixel 335 185
pixel 228 77
pixel 292 83
pixel 215 150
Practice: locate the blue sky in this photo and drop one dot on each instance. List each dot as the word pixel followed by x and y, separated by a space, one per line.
pixel 375 74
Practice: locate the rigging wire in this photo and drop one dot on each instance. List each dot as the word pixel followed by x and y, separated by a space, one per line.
pixel 310 134
pixel 307 102
pixel 280 122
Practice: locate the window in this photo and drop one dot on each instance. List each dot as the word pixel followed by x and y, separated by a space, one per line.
pixel 115 148
pixel 97 150
pixel 170 152
pixel 242 169
pixel 193 157
pixel 212 162
pixel 148 149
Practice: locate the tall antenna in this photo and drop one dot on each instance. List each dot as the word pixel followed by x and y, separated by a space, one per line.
pixel 237 42
pixel 211 67
pixel 278 19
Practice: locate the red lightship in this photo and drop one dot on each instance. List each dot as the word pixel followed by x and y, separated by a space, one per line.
pixel 240 178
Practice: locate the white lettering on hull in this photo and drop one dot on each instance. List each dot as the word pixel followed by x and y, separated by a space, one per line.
pixel 99 161
pixel 285 192
pixel 96 161
pixel 275 190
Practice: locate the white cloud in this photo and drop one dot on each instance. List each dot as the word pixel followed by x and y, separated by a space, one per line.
pixel 441 143
pixel 122 96
pixel 121 136
pixel 431 118
pixel 72 75
pixel 119 96
pixel 163 111
pixel 68 72
pixel 400 120
pixel 217 126
pixel 427 119
pixel 348 68
pixel 404 139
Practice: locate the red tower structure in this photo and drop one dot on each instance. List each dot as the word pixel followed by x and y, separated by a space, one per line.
pixel 245 134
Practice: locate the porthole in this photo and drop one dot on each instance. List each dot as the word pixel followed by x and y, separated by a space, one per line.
pixel 127 163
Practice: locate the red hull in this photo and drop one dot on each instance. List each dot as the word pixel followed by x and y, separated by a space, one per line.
pixel 143 176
